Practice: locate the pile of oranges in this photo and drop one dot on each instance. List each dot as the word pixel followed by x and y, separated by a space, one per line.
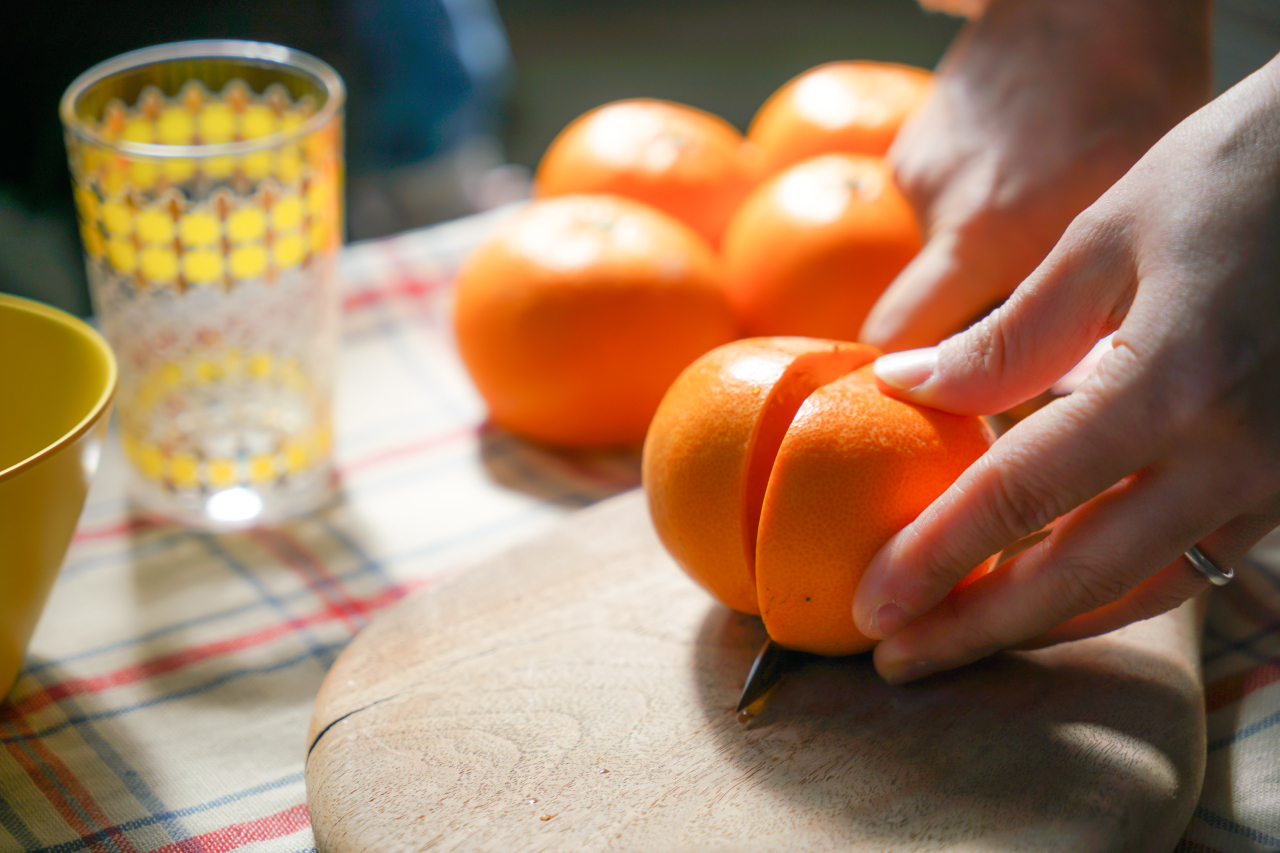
pixel 680 283
pixel 659 231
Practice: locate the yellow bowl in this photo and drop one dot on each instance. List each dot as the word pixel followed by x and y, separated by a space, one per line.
pixel 57 380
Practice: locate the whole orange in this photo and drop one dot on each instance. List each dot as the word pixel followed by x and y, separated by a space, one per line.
pixel 854 106
pixel 575 317
pixel 813 247
pixel 682 160
pixel 775 469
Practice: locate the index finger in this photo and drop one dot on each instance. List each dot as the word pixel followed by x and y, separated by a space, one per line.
pixel 1047 465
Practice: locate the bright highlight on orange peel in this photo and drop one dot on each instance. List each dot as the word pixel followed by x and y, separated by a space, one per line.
pixel 775 469
pixel 575 317
pixel 854 106
pixel 811 249
pixel 688 163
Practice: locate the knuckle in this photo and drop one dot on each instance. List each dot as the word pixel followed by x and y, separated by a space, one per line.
pixel 979 637
pixel 1094 227
pixel 1020 499
pixel 1164 599
pixel 1085 582
pixel 980 351
pixel 915 184
pixel 940 567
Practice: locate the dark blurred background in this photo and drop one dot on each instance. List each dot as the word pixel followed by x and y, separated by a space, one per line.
pixel 452 102
pixel 725 56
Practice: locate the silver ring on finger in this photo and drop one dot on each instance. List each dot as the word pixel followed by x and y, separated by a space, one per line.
pixel 1207 569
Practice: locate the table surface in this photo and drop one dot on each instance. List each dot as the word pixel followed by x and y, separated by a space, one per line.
pixel 164 701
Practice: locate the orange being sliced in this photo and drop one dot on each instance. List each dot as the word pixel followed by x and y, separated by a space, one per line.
pixel 775 469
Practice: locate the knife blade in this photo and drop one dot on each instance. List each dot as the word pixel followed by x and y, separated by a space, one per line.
pixel 773 664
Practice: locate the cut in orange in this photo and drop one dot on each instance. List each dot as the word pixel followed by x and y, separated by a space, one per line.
pixel 811 249
pixel 775 469
pixel 854 107
pixel 681 160
pixel 856 467
pixel 577 315
pixel 711 447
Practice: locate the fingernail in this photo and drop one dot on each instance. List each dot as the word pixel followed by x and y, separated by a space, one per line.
pixel 908 369
pixel 889 619
pixel 900 672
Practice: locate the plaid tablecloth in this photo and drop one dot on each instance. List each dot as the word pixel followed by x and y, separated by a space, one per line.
pixel 165 698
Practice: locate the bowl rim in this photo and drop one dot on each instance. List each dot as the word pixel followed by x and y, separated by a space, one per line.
pixel 79 327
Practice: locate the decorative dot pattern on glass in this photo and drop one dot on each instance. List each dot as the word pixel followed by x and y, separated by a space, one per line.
pixel 182 222
pixel 290 447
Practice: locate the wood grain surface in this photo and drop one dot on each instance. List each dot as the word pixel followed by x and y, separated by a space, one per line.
pixel 578 693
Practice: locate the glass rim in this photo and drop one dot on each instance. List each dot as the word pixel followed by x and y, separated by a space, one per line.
pixel 253 51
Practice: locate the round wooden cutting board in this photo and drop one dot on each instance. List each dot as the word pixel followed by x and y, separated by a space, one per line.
pixel 578 693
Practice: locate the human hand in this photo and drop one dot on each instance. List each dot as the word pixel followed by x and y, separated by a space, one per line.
pixel 1173 440
pixel 1037 108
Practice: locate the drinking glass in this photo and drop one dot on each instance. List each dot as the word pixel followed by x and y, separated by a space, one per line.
pixel 208 184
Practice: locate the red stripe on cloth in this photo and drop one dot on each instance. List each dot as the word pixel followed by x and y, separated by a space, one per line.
pixel 133 525
pixel 411 287
pixel 233 837
pixel 186 657
pixel 64 792
pixel 314 573
pixel 1232 688
pixel 394 453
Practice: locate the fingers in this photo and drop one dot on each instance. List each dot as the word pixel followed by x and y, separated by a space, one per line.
pixel 1169 587
pixel 937 293
pixel 1162 592
pixel 1051 462
pixel 1045 466
pixel 1022 348
pixel 1102 553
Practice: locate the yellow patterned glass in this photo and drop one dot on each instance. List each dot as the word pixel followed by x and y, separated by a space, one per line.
pixel 207 179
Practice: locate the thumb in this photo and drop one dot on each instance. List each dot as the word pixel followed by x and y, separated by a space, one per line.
pixel 941 290
pixel 1021 349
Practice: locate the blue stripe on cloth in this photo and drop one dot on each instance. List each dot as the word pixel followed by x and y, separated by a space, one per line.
pixel 1244 646
pixel 318 649
pixel 406 473
pixel 34 666
pixel 1246 732
pixel 1217 821
pixel 505 523
pixel 502 447
pixel 367 562
pixel 325 651
pixel 56 784
pixel 434 391
pixel 150 820
pixel 316 569
pixel 158 544
pixel 133 781
pixel 543 467
pixel 11 823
